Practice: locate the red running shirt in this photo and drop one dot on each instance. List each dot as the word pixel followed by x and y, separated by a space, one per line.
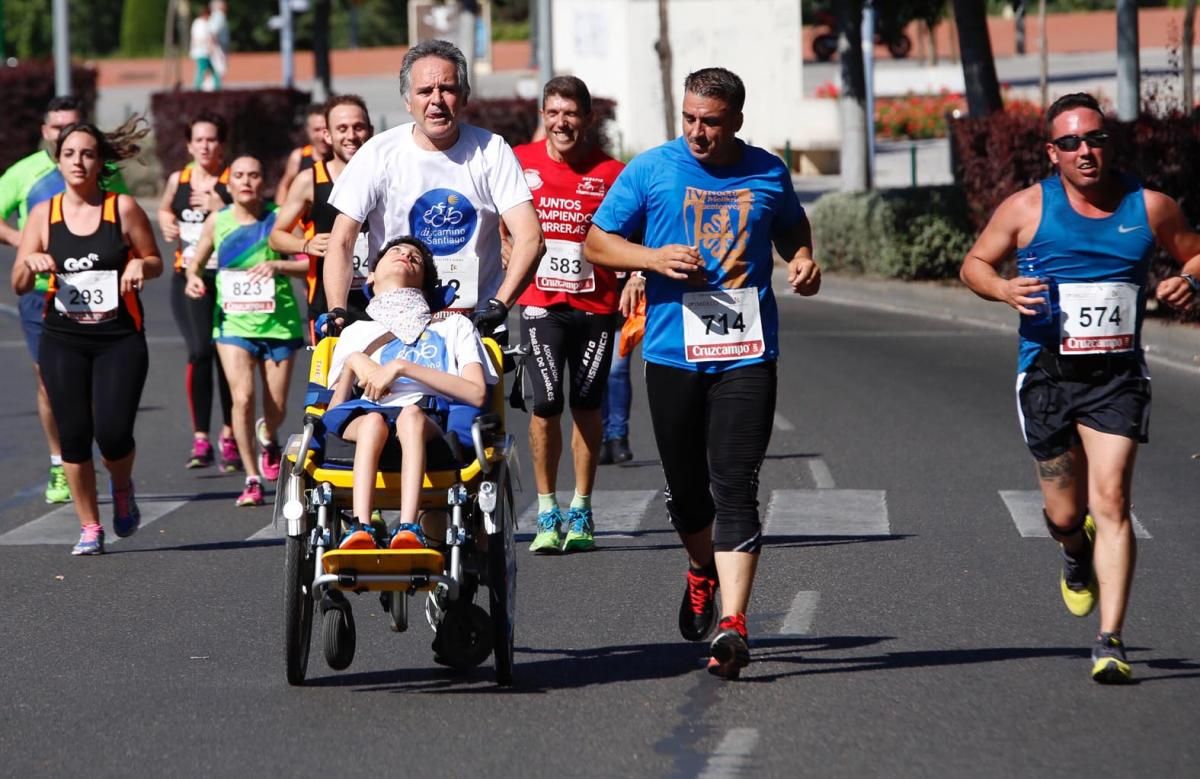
pixel 565 199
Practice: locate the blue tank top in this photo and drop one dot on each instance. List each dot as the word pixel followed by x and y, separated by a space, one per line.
pixel 1071 248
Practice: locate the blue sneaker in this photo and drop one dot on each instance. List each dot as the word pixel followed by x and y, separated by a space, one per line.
pixel 126 517
pixel 549 535
pixel 579 531
pixel 91 541
pixel 407 535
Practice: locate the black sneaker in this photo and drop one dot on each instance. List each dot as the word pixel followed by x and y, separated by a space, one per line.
pixel 606 453
pixel 621 453
pixel 1108 660
pixel 696 612
pixel 730 649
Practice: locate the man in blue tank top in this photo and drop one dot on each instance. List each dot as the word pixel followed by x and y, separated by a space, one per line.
pixel 1083 240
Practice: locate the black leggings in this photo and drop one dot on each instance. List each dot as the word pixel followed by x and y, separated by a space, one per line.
pixel 94 385
pixel 194 318
pixel 712 431
pixel 561 339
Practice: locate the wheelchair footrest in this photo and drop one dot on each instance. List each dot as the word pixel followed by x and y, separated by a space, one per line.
pixel 350 564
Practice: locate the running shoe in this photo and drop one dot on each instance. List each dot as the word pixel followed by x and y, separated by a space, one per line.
pixel 231 461
pixel 407 535
pixel 252 495
pixel 360 537
pixel 1108 660
pixel 57 489
pixel 579 530
pixel 730 649
pixel 202 454
pixel 126 517
pixel 697 611
pixel 549 536
pixel 260 432
pixel 91 541
pixel 269 460
pixel 1078 579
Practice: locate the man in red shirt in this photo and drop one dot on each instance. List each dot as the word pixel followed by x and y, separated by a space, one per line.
pixel 568 313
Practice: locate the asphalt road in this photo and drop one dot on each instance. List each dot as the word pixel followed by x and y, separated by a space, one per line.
pixel 904 625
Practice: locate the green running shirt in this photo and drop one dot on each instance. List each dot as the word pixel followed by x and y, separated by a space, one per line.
pixel 243 307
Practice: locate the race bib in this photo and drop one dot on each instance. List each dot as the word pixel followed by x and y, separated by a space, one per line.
pixel 462 273
pixel 361 260
pixel 722 325
pixel 241 294
pixel 1098 318
pixel 88 296
pixel 564 268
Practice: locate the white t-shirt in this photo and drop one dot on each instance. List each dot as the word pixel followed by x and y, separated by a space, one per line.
pixel 201 45
pixel 447 345
pixel 451 200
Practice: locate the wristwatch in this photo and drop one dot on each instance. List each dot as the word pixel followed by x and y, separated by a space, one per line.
pixel 1192 281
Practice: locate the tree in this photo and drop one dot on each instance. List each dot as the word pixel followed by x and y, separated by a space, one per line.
pixel 1189 39
pixel 979 66
pixel 856 172
pixel 142 24
pixel 665 65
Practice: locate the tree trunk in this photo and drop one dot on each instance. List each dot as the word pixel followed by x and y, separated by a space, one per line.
pixel 663 47
pixel 1128 64
pixel 321 13
pixel 979 67
pixel 1189 40
pixel 856 174
pixel 1044 55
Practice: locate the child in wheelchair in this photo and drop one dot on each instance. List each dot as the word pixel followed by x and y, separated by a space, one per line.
pixel 409 367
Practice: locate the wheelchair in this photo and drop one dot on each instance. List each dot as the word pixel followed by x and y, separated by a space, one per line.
pixel 471 482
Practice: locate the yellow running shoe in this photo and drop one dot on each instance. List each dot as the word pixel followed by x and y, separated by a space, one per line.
pixel 1108 660
pixel 1078 579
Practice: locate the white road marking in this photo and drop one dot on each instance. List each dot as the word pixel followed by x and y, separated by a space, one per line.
pixel 782 423
pixel 822 476
pixel 827 512
pixel 796 622
pixel 617 513
pixel 1025 508
pixel 732 756
pixel 61 526
pixel 270 532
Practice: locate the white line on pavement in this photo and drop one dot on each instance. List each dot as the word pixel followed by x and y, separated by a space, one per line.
pixel 61 526
pixel 732 756
pixel 796 622
pixel 782 423
pixel 827 513
pixel 616 512
pixel 270 532
pixel 822 476
pixel 1025 508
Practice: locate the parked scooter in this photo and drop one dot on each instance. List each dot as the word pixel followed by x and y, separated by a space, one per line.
pixel 825 44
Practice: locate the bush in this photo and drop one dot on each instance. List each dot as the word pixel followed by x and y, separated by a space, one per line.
pixel 918 233
pixel 24 92
pixel 142 23
pixel 516 119
pixel 265 123
pixel 915 116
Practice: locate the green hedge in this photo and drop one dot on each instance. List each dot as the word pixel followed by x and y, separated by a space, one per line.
pixel 920 233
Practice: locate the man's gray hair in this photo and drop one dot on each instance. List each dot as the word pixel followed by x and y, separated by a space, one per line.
pixel 435 48
pixel 717 83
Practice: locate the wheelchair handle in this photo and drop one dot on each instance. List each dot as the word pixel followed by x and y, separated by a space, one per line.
pixel 305 442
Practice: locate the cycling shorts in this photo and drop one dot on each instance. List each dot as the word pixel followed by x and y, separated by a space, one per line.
pixel 561 338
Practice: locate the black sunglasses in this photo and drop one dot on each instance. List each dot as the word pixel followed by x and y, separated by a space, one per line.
pixel 1095 139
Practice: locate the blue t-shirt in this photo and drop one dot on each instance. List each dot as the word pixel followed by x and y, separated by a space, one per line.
pixel 732 214
pixel 1069 248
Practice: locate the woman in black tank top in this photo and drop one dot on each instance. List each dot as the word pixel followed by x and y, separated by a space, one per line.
pixel 98 248
pixel 190 196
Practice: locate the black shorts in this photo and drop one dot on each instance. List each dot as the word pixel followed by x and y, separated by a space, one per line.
pixel 1111 395
pixel 561 337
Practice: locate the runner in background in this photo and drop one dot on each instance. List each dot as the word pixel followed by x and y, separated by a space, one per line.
pixel 189 197
pixel 97 248
pixel 30 181
pixel 303 157
pixel 568 314
pixel 618 395
pixel 348 127
pixel 257 323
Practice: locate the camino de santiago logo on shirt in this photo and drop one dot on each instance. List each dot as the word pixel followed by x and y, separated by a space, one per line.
pixel 429 351
pixel 719 223
pixel 444 219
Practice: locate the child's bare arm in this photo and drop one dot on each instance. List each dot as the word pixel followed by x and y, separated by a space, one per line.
pixel 345 383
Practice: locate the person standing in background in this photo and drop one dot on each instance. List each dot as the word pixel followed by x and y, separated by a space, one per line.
pixel 201 50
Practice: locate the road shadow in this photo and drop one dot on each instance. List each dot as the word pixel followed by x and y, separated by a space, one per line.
pixel 801 542
pixel 209 546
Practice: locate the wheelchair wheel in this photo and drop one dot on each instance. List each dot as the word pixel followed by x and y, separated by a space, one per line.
pixel 337 636
pixel 464 637
pixel 297 608
pixel 398 610
pixel 502 580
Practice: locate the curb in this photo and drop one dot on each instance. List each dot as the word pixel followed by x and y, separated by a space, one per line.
pixel 1170 344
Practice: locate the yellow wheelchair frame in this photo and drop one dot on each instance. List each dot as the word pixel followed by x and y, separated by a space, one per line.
pixel 310 499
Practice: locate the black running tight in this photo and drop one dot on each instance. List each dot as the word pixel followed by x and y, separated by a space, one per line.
pixel 94 385
pixel 194 318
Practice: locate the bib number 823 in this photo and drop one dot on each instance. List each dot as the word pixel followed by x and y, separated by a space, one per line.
pixel 248 288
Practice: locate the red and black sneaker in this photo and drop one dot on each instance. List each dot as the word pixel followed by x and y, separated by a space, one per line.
pixel 696 612
pixel 730 649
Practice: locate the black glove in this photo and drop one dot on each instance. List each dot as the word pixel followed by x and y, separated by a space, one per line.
pixel 330 324
pixel 490 316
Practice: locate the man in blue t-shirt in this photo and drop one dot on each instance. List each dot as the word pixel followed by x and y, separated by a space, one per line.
pixel 711 208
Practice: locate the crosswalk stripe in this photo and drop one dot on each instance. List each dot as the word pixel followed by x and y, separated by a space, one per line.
pixel 1025 508
pixel 61 526
pixel 822 476
pixel 827 512
pixel 731 758
pixel 270 532
pixel 616 512
pixel 796 622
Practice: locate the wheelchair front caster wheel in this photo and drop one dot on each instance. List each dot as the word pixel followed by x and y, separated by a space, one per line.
pixel 464 637
pixel 338 638
pixel 397 609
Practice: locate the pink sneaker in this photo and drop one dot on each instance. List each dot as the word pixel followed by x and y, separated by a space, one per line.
pixel 202 454
pixel 252 495
pixel 230 459
pixel 268 461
